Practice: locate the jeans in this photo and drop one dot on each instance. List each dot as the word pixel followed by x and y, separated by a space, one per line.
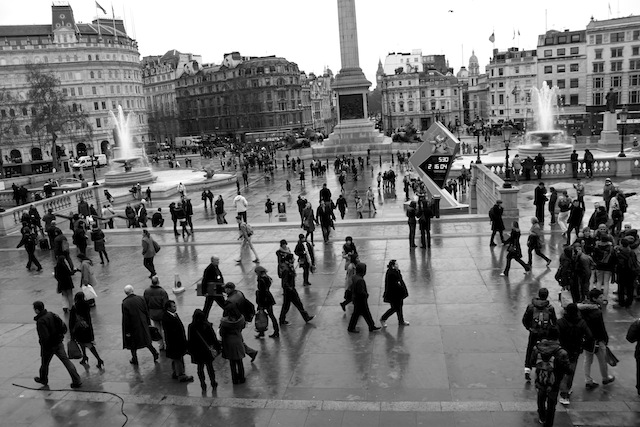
pixel 412 234
pixel 47 355
pixel 547 401
pixel 603 279
pixel 158 324
pixel 567 380
pixel 562 221
pixel 601 348
pixel 493 234
pixel 148 264
pixel 291 297
pixel 32 260
pixel 361 308
pixel 396 307
pixel 518 260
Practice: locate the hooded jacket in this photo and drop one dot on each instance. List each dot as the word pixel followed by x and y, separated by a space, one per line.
pixel 527 318
pixel 547 349
pixel 359 289
pixel 592 315
pixel 573 333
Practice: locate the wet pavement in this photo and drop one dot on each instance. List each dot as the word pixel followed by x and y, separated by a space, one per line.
pixel 460 362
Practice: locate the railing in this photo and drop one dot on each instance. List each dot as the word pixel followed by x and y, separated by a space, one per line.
pixel 613 167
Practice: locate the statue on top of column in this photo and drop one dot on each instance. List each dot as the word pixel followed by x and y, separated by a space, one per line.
pixel 612 101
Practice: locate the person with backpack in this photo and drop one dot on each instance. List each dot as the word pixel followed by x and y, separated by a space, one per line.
pixel 592 314
pixel 627 269
pixel 633 336
pixel 605 260
pixel 538 318
pixel 246 309
pixel 552 364
pixel 51 330
pixel 573 332
pixel 246 231
pixel 497 224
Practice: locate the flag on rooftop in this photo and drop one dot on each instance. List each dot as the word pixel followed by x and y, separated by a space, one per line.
pixel 492 38
pixel 101 8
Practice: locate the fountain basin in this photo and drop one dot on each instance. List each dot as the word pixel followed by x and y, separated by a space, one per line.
pixel 135 175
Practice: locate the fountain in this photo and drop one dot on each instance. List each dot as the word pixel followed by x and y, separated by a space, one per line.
pixel 545 139
pixel 128 156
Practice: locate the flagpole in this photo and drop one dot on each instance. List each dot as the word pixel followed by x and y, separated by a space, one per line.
pixel 98 19
pixel 113 19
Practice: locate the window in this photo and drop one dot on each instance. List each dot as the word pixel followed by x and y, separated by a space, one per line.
pixel 616 81
pixel 617 37
pixel 410 105
pixel 598 54
pixel 616 65
pixel 634 96
pixel 599 41
pixel 598 82
pixel 574 68
pixel 598 97
pixel 27 130
pixel 634 64
pixel 94 90
pixel 441 92
pixel 401 105
pixel 500 71
pixel 516 69
pixel 548 52
pixel 493 100
pixel 104 105
pixel 573 83
pixel 574 50
pixel 549 83
pixel 91 75
pixel 598 67
pixel 561 52
pixel 575 37
pixel 95 106
pixel 433 92
pixel 561 68
pixel 501 99
pixel 561 84
pixel 634 80
pixel 636 35
pixel 98 123
pixel 635 50
pixel 616 52
pixel 548 69
pixel 501 84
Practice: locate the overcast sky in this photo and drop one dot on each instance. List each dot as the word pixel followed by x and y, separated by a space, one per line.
pixel 306 32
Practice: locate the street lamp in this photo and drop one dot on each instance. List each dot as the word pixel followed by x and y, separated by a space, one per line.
pixel 624 114
pixel 507 130
pixel 477 124
pixel 90 150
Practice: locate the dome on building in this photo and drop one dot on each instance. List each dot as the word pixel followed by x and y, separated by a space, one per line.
pixel 463 73
pixel 473 59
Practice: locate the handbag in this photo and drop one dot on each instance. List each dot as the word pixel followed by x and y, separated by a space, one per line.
pixel 156 246
pixel 73 350
pixel 80 326
pixel 155 333
pixel 612 360
pixel 89 292
pixel 262 320
pixel 212 350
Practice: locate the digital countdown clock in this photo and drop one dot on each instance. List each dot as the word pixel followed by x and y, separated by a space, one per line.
pixel 437 168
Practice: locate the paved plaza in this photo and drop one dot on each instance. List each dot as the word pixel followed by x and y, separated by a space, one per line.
pixel 459 363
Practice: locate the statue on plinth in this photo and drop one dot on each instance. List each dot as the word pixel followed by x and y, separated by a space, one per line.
pixel 612 100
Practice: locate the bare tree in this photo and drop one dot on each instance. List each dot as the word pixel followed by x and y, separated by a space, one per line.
pixel 53 114
pixel 8 125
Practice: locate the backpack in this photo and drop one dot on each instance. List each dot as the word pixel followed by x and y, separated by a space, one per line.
pixel 622 202
pixel 545 375
pixel 249 229
pixel 541 321
pixel 248 310
pixel 262 321
pixel 61 327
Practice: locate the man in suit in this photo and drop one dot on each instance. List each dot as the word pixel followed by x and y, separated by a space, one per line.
pixel 175 341
pixel 325 217
pixel 539 200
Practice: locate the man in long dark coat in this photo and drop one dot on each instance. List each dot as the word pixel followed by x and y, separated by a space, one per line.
pixel 497 224
pixel 175 341
pixel 135 325
pixel 539 200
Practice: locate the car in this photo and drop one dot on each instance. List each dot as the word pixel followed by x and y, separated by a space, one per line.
pixel 69 184
pixel 85 161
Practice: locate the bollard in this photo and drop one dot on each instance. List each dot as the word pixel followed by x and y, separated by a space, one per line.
pixel 177 285
pixel 436 205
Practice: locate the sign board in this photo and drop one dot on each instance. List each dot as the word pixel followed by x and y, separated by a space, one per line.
pixel 435 156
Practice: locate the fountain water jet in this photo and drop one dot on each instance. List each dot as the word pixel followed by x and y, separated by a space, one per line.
pixel 127 155
pixel 545 139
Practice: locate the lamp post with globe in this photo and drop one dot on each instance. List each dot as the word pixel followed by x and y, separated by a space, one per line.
pixel 624 115
pixel 90 151
pixel 507 131
pixel 478 125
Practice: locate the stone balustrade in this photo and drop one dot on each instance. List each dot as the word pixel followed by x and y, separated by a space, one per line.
pixel 485 188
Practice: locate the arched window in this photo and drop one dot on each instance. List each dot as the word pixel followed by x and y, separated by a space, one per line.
pixel 12 112
pixel 91 74
pixel 89 57
pixel 27 130
pixel 16 156
pixel 36 154
pixel 24 111
pixel 81 149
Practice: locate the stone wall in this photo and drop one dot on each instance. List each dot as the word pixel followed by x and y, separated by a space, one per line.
pixel 486 187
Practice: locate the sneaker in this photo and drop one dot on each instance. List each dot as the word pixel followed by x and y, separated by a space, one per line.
pixel 591 386
pixel 564 400
pixel 343 306
pixel 76 385
pixel 609 380
pixel 374 329
pixel 383 322
pixel 309 319
pixel 527 374
pixel 502 274
pixel 40 381
pixel 405 323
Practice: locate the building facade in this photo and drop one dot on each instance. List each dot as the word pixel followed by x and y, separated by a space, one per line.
pixel 99 69
pixel 477 92
pixel 323 113
pixel 159 82
pixel 562 64
pixel 613 62
pixel 242 95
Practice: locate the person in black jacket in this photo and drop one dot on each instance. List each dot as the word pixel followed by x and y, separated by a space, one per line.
pixel 174 218
pixel 201 338
pixel 175 341
pixel 575 219
pixel 265 300
pixel 360 301
pixel 497 224
pixel 633 336
pixel 29 242
pixel 213 281
pixel 514 250
pixel 411 220
pixel 81 328
pixel 538 318
pixel 424 216
pixel 306 258
pixel 573 333
pixel 51 330
pixel 395 292
pixel 597 345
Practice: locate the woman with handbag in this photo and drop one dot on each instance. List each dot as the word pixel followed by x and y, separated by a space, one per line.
pixel 395 292
pixel 308 221
pixel 63 275
pixel 81 328
pixel 203 346
pixel 534 241
pixel 514 251
pixel 231 326
pixel 265 300
pixel 350 266
pixel 87 279
pixel 97 235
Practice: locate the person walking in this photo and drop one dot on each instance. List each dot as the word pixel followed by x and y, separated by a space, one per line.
pixel 360 297
pixel 497 224
pixel 175 340
pixel 288 187
pixel 142 214
pixel 290 294
pixel 148 196
pixel 265 300
pixel 220 212
pixel 552 365
pixel 156 299
pixel 514 250
pixel 174 217
pixel 97 236
pixel 626 272
pixel 87 278
pixel 633 336
pixel 61 247
pixel 309 221
pixel 553 200
pixel 244 306
pixel 188 211
pixel 350 272
pixel 135 326
pixel 51 330
pixel 564 205
pixel 341 203
pixel 539 200
pixel 604 258
pixel 213 282
pixel 181 216
pixel 268 208
pixel 537 319
pixel 182 190
pixel 534 242
pixel 81 328
pixel 592 314
pixel 575 220
pixel 245 235
pixel 306 258
pixel 359 207
pixel 231 326
pixel 325 217
pixel 371 199
pixel 579 187
pixel 241 204
pixel 203 346
pixel 516 164
pixel 29 242
pixel 411 220
pixel 573 332
pixel 395 292
pixel 63 276
pixel 149 250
